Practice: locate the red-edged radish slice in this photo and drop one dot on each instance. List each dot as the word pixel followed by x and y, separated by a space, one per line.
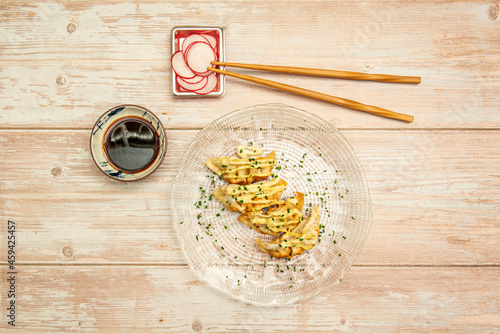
pixel 193 80
pixel 185 52
pixel 211 39
pixel 210 86
pixel 206 74
pixel 191 39
pixel 192 86
pixel 198 57
pixel 180 67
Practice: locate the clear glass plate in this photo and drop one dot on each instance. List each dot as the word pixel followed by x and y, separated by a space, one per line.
pixel 315 159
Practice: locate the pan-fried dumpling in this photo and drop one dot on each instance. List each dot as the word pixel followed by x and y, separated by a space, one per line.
pixel 253 197
pixel 281 218
pixel 303 237
pixel 248 169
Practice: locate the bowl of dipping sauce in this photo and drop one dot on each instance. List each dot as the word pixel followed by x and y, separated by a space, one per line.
pixel 128 143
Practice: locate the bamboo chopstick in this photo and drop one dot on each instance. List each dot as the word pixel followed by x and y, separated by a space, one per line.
pixel 325 73
pixel 320 96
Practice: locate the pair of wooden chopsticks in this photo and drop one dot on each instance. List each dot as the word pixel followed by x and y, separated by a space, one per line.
pixel 323 73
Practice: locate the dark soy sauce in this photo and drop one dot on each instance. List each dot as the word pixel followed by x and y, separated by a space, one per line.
pixel 131 144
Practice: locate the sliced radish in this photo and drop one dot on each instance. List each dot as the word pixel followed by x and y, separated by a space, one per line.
pixel 191 39
pixel 180 67
pixel 190 63
pixel 193 80
pixel 185 52
pixel 205 74
pixel 198 57
pixel 211 39
pixel 192 86
pixel 210 86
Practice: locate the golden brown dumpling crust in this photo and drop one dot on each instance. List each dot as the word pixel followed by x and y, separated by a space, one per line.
pixel 303 237
pixel 243 171
pixel 281 218
pixel 253 197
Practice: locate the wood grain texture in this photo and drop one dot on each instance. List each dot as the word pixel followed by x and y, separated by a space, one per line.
pixel 157 298
pixel 432 204
pixel 96 255
pixel 50 51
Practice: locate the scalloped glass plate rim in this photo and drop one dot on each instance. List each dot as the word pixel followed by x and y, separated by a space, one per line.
pixel 363 184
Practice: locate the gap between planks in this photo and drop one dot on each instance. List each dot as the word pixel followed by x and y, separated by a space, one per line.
pixel 125 264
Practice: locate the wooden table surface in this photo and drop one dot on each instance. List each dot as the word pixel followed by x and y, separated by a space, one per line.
pixel 94 254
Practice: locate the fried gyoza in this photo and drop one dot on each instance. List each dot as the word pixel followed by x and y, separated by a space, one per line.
pixel 246 170
pixel 253 197
pixel 281 218
pixel 303 237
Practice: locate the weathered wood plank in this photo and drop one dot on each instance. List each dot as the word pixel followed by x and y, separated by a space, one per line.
pixel 98 255
pixel 338 32
pixel 436 198
pixel 65 63
pixel 74 96
pixel 158 298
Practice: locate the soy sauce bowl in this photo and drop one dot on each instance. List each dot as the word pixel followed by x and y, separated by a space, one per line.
pixel 128 143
